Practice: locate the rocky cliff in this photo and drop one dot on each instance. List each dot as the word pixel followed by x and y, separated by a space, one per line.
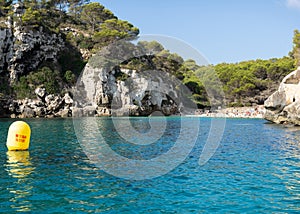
pixel 44 106
pixel 99 92
pixel 44 47
pixel 23 48
pixel 283 106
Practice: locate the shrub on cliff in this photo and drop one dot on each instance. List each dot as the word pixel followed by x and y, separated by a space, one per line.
pixel 5 7
pixel 32 17
pixel 45 76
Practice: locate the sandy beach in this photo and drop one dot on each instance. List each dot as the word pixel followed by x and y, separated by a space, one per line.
pixel 235 112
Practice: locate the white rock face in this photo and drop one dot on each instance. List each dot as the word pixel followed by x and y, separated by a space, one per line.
pixel 23 50
pixel 67 98
pixel 284 105
pixel 40 92
pixel 30 49
pixel 135 94
pixel 44 106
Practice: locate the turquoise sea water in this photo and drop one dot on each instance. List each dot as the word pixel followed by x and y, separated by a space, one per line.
pixel 256 169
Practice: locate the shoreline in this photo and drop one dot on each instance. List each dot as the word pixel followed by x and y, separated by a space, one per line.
pixel 254 112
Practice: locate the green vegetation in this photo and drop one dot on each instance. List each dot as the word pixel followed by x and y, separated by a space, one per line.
pixel 245 80
pixel 45 76
pixel 88 27
pixel 5 7
pixel 114 29
pixel 120 76
pixel 71 61
pixel 295 53
pixel 70 77
pixel 32 17
pixel 244 83
pixel 4 86
pixel 94 14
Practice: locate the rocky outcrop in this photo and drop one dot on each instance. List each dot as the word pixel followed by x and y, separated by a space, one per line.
pixel 283 106
pixel 101 92
pixel 46 106
pixel 23 48
pixel 30 49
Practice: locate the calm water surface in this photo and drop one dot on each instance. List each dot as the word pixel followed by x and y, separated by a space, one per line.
pixel 256 169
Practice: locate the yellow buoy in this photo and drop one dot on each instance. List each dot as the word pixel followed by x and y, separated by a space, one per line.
pixel 18 137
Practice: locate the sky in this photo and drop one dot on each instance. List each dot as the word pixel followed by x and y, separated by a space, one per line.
pixel 221 30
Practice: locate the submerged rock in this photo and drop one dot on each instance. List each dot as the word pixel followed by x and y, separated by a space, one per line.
pixel 283 106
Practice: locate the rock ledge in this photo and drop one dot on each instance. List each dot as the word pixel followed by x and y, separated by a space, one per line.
pixel 283 106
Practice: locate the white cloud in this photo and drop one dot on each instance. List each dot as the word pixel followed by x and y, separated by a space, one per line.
pixel 293 3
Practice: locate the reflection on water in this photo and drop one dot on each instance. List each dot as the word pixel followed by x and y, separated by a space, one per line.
pixel 18 164
pixel 19 167
pixel 256 169
pixel 289 164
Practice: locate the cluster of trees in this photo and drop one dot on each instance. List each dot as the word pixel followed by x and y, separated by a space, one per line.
pixel 244 83
pixel 92 26
pixel 86 27
pixel 5 7
pixel 51 79
pixel 295 53
pixel 95 25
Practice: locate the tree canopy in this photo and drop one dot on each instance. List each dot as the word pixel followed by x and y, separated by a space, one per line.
pixel 88 27
pixel 295 53
pixel 5 6
pixel 94 14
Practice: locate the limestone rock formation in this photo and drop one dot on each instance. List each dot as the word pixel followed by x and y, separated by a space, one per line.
pixel 283 106
pixel 44 105
pixel 99 91
pixel 23 49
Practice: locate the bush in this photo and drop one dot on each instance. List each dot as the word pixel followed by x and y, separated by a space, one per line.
pixel 31 17
pixel 45 76
pixel 22 89
pixel 49 79
pixel 70 77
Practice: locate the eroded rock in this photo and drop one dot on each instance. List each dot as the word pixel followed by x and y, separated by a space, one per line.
pixel 140 94
pixel 283 106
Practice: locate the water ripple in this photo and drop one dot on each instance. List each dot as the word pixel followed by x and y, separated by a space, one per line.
pixel 256 169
